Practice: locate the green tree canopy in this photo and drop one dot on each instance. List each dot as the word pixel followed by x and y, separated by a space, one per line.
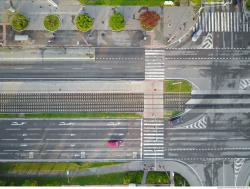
pixel 84 22
pixel 51 22
pixel 117 22
pixel 19 22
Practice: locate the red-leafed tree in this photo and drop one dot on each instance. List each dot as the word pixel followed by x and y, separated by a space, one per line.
pixel 149 19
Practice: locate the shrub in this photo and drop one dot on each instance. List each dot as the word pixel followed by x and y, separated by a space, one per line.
pixel 117 22
pixel 51 22
pixel 84 22
pixel 149 20
pixel 19 22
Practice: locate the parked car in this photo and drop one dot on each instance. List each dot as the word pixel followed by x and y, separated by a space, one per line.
pixel 114 143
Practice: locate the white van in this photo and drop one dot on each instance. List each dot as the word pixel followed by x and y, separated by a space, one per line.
pixel 196 35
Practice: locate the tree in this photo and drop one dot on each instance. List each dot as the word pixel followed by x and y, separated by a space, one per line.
pixel 84 22
pixel 149 20
pixel 51 22
pixel 117 22
pixel 19 22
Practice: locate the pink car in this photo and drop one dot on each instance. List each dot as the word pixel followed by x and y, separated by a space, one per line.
pixel 114 143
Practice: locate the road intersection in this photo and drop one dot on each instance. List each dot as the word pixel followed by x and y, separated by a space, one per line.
pixel 213 138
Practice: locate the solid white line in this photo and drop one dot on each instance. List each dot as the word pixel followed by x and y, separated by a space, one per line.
pixel 43 58
pixel 50 139
pixel 69 78
pixel 8 139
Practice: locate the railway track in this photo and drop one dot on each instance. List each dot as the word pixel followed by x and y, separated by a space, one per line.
pixel 176 101
pixel 71 102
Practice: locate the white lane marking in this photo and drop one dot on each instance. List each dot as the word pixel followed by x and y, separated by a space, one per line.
pixel 8 139
pixel 91 139
pixel 12 129
pixel 119 134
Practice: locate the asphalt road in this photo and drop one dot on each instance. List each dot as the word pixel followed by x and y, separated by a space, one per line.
pixel 190 54
pixel 223 136
pixel 110 64
pixel 69 139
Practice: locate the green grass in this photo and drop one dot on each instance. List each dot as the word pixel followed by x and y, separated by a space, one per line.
pixel 170 114
pixel 51 22
pixel 107 179
pixel 49 166
pixel 180 180
pixel 248 4
pixel 177 86
pixel 124 2
pixel 157 178
pixel 74 115
pixel 196 2
pixel 212 1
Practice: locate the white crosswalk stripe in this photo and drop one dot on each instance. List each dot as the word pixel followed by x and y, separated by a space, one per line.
pixel 154 64
pixel 223 22
pixel 200 124
pixel 153 139
pixel 244 83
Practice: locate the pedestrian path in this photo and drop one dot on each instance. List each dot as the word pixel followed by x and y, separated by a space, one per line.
pixel 220 21
pixel 154 64
pixel 153 139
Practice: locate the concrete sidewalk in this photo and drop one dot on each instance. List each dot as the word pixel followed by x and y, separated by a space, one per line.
pixel 73 87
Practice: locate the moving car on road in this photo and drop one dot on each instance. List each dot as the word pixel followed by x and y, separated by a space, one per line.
pixel 114 143
pixel 175 120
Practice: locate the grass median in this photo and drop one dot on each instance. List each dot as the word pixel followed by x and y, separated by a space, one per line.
pixel 123 2
pixel 123 178
pixel 74 115
pixel 182 86
pixel 51 166
pixel 170 114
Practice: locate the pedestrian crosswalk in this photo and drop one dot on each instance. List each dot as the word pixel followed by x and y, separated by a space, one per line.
pixel 154 64
pixel 208 41
pixel 153 139
pixel 223 22
pixel 200 124
pixel 244 83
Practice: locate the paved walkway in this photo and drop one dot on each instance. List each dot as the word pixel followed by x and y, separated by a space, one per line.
pixel 144 178
pixel 178 167
pixel 76 86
